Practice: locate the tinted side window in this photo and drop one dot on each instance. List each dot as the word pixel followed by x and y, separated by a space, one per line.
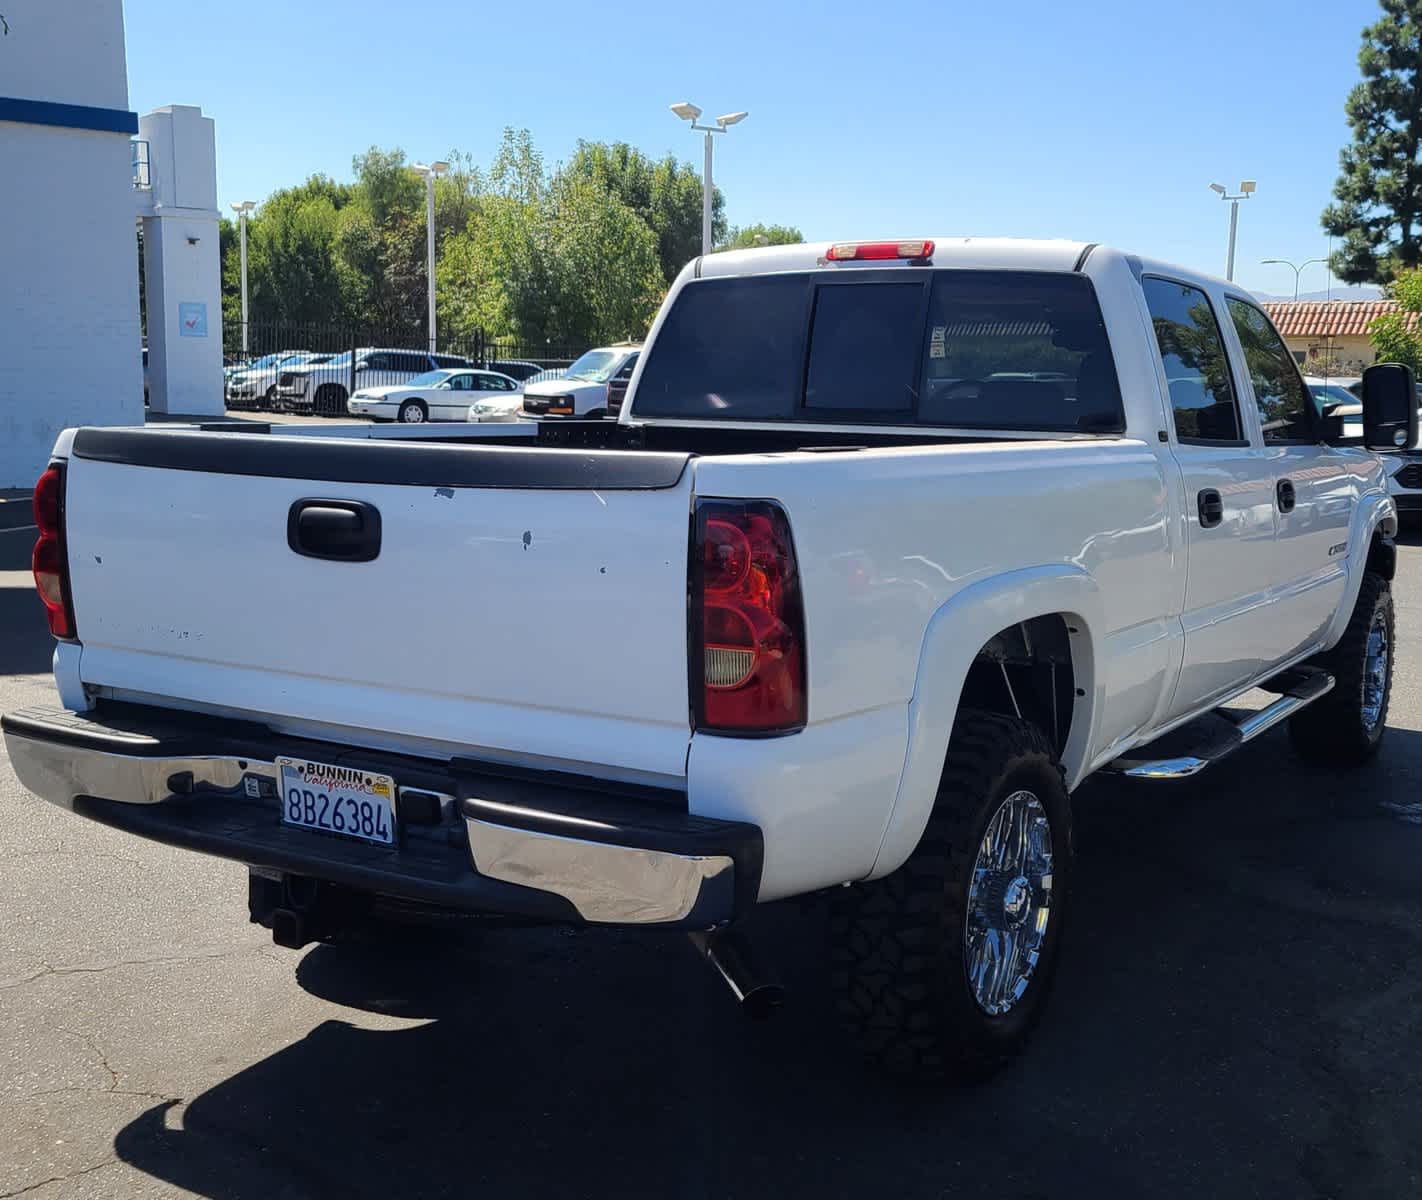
pixel 376 362
pixel 1196 369
pixel 1018 350
pixel 864 348
pixel 449 360
pixel 418 363
pixel 1278 390
pixel 729 348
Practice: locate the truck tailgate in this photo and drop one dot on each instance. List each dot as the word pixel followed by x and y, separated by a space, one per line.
pixel 526 602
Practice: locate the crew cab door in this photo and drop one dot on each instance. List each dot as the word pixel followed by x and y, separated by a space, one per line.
pixel 1315 492
pixel 1228 483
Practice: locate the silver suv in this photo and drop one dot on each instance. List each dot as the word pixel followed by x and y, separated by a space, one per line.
pixel 324 388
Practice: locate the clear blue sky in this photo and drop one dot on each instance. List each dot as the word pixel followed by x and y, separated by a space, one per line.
pixel 1101 120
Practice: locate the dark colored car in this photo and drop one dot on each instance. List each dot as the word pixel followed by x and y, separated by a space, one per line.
pixel 616 393
pixel 617 387
pixel 515 368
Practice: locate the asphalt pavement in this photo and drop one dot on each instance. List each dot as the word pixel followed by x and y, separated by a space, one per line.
pixel 1238 1013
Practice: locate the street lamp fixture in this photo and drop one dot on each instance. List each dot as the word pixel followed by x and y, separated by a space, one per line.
pixel 431 172
pixel 242 210
pixel 688 111
pixel 1246 189
pixel 1297 268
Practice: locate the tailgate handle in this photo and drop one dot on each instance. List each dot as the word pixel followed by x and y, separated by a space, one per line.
pixel 339 530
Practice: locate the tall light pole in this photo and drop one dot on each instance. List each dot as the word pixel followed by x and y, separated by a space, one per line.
pixel 1298 270
pixel 431 173
pixel 242 210
pixel 689 112
pixel 1246 189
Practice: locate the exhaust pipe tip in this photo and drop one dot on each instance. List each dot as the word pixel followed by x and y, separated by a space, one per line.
pixel 763 1002
pixel 730 954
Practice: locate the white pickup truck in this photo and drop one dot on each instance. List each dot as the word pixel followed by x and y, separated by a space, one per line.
pixel 895 544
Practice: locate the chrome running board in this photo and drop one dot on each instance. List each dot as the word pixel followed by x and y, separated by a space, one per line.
pixel 1193 747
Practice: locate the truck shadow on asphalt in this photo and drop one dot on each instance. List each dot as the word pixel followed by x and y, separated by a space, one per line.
pixel 1239 1012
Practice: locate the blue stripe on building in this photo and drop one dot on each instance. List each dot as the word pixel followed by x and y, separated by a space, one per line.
pixel 67 116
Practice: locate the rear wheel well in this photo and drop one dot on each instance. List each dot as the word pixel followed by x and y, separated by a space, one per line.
pixel 1026 671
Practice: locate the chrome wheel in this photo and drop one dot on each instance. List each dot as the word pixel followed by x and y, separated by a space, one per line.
pixel 1375 672
pixel 1009 903
pixel 412 414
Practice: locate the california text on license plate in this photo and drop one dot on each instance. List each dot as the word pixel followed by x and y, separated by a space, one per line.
pixel 342 800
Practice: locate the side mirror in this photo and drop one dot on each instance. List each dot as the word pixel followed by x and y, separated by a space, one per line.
pixel 1389 407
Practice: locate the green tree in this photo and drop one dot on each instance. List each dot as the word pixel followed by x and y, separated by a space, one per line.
pixel 385 186
pixel 664 193
pixel 458 196
pixel 581 254
pixel 496 275
pixel 380 244
pixel 1378 196
pixel 744 238
pixel 607 273
pixel 293 274
pixel 1391 334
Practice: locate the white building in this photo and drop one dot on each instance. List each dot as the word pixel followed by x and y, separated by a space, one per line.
pixel 70 342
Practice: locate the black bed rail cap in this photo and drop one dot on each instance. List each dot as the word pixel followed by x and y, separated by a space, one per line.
pixel 370 460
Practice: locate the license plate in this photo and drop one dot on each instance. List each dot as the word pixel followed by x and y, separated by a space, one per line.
pixel 341 800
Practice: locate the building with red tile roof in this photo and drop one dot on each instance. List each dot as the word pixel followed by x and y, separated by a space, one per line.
pixel 1332 332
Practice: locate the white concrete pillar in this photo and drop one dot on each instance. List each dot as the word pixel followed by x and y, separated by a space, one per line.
pixel 69 344
pixel 182 263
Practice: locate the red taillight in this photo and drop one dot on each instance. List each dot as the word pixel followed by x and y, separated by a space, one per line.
pixel 50 562
pixel 915 248
pixel 748 625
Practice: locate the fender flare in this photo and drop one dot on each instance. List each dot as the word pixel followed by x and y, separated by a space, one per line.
pixel 1375 509
pixel 955 634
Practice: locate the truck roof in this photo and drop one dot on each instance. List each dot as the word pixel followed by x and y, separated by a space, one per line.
pixel 988 253
pixel 983 253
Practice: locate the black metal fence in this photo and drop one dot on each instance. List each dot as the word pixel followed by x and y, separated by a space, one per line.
pixel 315 369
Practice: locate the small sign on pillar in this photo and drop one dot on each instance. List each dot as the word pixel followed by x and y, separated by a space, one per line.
pixel 192 319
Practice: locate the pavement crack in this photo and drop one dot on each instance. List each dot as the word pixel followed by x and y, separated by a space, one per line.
pixel 103 1058
pixel 49 969
pixel 104 1091
pixel 31 1187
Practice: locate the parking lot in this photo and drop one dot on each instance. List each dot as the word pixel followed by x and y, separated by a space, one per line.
pixel 1239 1013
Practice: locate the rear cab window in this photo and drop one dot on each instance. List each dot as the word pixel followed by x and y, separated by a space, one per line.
pixel 1203 403
pixel 1003 350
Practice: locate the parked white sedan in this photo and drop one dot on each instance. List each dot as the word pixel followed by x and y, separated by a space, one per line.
pixel 444 395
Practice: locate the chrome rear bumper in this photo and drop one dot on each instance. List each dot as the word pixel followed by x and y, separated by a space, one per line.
pixel 471 837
